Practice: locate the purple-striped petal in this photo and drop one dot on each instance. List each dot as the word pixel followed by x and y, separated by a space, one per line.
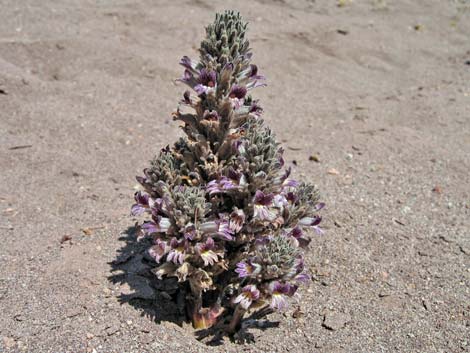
pixel 238 92
pixel 248 295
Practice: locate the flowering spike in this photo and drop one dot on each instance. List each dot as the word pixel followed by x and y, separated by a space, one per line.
pixel 224 216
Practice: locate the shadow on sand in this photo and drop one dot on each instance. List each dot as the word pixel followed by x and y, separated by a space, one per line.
pixel 157 299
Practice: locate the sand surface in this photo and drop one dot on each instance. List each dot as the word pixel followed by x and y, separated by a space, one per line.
pixel 377 91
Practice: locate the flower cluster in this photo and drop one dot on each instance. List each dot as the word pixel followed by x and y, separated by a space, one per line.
pixel 224 216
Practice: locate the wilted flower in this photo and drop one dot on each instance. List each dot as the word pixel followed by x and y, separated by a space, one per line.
pixel 159 250
pixel 206 317
pixel 211 115
pixel 224 217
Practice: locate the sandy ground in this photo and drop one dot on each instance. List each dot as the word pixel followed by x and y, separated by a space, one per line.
pixel 377 91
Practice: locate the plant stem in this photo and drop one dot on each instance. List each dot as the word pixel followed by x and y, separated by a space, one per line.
pixel 236 319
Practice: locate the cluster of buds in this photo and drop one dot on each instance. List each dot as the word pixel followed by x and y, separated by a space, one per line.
pixel 224 216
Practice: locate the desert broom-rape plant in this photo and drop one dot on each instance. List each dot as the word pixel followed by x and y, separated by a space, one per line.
pixel 223 214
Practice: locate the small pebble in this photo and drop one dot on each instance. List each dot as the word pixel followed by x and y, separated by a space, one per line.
pixel 333 171
pixel 314 158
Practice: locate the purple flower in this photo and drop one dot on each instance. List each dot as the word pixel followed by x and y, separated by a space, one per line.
pixel 188 63
pixel 211 115
pixel 263 240
pixel 201 89
pixel 279 293
pixel 312 222
pixel 236 176
pixel 291 197
pixel 224 229
pixel 219 228
pixel 189 231
pixel 302 278
pixel 141 180
pixel 297 267
pixel 158 224
pixel 247 269
pixel 206 81
pixel 263 199
pixel 188 78
pixel 247 56
pixel 290 183
pixel 254 73
pixel 207 78
pixel 142 204
pixel 213 187
pixel 280 201
pixel 251 73
pixel 249 294
pixel 255 83
pixel 206 251
pixel 255 109
pixel 237 96
pixel 224 184
pixel 280 159
pixel 262 206
pixel 318 230
pixel 159 250
pixel 177 252
pixel 296 232
pixel 220 186
pixel 239 146
pixel 227 68
pixel 238 92
pixel 280 179
pixel 237 219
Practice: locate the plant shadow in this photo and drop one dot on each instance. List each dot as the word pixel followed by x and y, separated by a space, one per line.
pixel 140 288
